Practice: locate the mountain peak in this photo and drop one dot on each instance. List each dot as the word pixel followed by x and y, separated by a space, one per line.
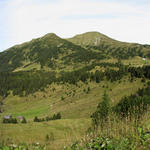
pixel 51 35
pixel 91 33
pixel 90 38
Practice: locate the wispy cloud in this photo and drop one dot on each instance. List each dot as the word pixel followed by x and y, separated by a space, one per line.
pixel 27 19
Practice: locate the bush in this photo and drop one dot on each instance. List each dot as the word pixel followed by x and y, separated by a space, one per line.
pixel 102 111
pixel 55 117
pixel 62 98
pixel 36 119
pixel 24 121
pixel 58 116
pixel 11 120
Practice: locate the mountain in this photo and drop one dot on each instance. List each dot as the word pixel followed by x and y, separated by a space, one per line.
pixel 51 52
pixel 91 39
pixel 36 54
pixel 113 48
pixel 72 80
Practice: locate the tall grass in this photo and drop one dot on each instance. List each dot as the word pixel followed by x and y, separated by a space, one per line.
pixel 118 133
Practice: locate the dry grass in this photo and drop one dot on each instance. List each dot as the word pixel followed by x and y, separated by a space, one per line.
pixel 65 131
pixel 75 111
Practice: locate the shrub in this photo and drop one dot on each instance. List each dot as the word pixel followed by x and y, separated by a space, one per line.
pixel 11 120
pixel 62 98
pixel 24 121
pixel 58 116
pixel 36 119
pixel 102 111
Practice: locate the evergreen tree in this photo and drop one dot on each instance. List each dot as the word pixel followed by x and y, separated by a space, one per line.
pixel 36 119
pixel 58 116
pixel 24 121
pixel 14 120
pixel 54 117
pixel 103 110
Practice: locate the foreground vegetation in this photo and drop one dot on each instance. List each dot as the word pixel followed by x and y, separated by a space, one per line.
pixel 121 129
pixel 139 140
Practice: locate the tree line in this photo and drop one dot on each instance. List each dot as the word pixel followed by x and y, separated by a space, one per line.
pixel 54 117
pixel 24 83
pixel 131 106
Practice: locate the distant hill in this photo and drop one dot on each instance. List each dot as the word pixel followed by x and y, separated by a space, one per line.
pixel 51 52
pixel 44 51
pixel 109 46
pixel 91 39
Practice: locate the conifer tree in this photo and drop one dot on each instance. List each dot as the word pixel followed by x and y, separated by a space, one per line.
pixel 24 120
pixel 103 110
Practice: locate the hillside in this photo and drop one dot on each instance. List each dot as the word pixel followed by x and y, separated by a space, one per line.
pixel 112 48
pixel 44 51
pixel 91 39
pixel 51 52
pixel 50 77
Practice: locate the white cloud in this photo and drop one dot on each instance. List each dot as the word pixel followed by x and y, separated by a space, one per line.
pixel 31 19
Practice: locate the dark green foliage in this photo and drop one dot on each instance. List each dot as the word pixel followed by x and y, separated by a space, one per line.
pixel 42 50
pixel 102 112
pixel 24 120
pixel 36 119
pixel 58 116
pixel 136 141
pixel 134 105
pixel 84 74
pixel 47 137
pixel 140 72
pixel 53 89
pixel 54 117
pixel 14 55
pixel 24 83
pixel 83 55
pixel 11 120
pixel 131 106
pixel 62 98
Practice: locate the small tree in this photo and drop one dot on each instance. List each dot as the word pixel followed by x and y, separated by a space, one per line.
pixel 5 120
pixel 36 119
pixel 24 120
pixel 62 98
pixel 103 110
pixel 47 118
pixel 14 120
pixel 47 138
pixel 53 89
pixel 54 117
pixel 58 116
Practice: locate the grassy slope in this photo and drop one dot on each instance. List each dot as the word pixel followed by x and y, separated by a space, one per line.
pixel 91 38
pixel 75 110
pixel 65 131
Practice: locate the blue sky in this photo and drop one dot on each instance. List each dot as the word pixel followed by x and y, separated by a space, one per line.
pixel 23 20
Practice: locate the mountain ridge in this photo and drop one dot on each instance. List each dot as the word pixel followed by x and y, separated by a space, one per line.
pixel 92 37
pixel 51 51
